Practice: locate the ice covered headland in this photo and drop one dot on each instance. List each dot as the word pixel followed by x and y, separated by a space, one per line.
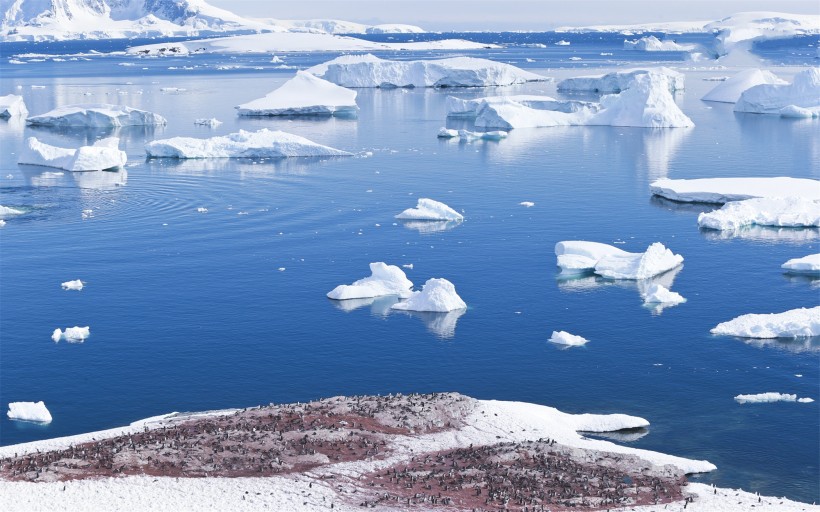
pixel 801 98
pixel 71 334
pixel 29 411
pixel 260 144
pixel 806 265
pixel 102 115
pixel 613 263
pixel 103 154
pixel 764 211
pixel 304 94
pixel 429 209
pixel 764 398
pixel 12 105
pixel 729 91
pixel 437 295
pixel 724 190
pixel 565 338
pixel 795 323
pixel 618 81
pixel 384 280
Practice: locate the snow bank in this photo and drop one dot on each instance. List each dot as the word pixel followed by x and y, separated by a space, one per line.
pixel 384 280
pixel 803 92
pixel 101 115
pixel 763 398
pixel 618 81
pixel 565 338
pixel 723 190
pixel 261 144
pixel 806 265
pixel 12 105
pixel 103 154
pixel 304 94
pixel 729 91
pixel 795 323
pixel 659 294
pixel 437 295
pixel 653 44
pixel 29 411
pixel 428 209
pixel 763 211
pixel 71 334
pixel 73 285
pixel 613 263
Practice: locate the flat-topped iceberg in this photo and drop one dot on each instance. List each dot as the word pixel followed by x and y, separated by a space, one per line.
pixel 803 93
pixel 12 105
pixel 102 115
pixel 71 334
pixel 565 338
pixel 370 71
pixel 304 94
pixel 618 81
pixel 610 262
pixel 437 295
pixel 724 190
pixel 384 280
pixel 729 91
pixel 29 411
pixel 806 265
pixel 429 209
pixel 103 154
pixel 764 211
pixel 653 44
pixel 795 323
pixel 766 398
pixel 260 144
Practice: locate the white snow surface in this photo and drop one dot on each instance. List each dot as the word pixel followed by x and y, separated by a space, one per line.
pixel 71 334
pixel 763 211
pixel 29 411
pixel 729 90
pixel 806 265
pixel 101 115
pixel 437 295
pixel 618 81
pixel 12 105
pixel 103 154
pixel 803 92
pixel 565 338
pixel 304 94
pixel 763 398
pixel 243 144
pixel 611 262
pixel 348 27
pixel 429 209
pixel 73 285
pixel 723 190
pixel 384 280
pixel 795 323
pixel 653 44
pixel 658 294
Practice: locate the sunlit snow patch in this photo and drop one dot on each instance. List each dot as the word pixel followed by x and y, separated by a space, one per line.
pixel 437 295
pixel 384 280
pixel 304 94
pixel 101 115
pixel 103 154
pixel 29 411
pixel 795 323
pixel 261 144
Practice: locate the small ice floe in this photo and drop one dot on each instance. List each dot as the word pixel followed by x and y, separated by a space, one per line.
pixel 212 122
pixel 444 133
pixel 428 209
pixel 304 94
pixel 384 280
pixel 803 92
pixel 437 295
pixel 29 411
pixel 613 263
pixel 764 398
pixel 527 204
pixel 202 210
pixel 73 285
pixel 276 60
pixel 491 135
pixel 260 144
pixel 795 323
pixel 281 269
pixel 565 338
pixel 103 154
pixel 724 190
pixel 659 294
pixel 96 116
pixel 806 265
pixel 618 81
pixel 408 265
pixel 729 91
pixel 8 211
pixel 764 211
pixel 562 43
pixel 2 223
pixel 12 105
pixel 71 334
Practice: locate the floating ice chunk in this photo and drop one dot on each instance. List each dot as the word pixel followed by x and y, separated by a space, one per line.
pixel 803 92
pixel 763 211
pixel 103 154
pixel 565 338
pixel 212 122
pixel 469 108
pixel 444 133
pixel 428 209
pixel 29 411
pixel 576 256
pixel 618 81
pixel 806 265
pixel 492 135
pixel 795 323
pixel 527 204
pixel 2 223
pixel 261 144
pixel 12 105
pixel 202 210
pixel 384 280
pixel 562 43
pixel 653 44
pixel 659 294
pixel 723 190
pixel 304 94
pixel 613 263
pixel 729 91
pixel 7 211
pixel 172 89
pixel 73 285
pixel 646 102
pixel 763 398
pixel 71 334
pixel 437 295
pixel 96 116
pixel 795 112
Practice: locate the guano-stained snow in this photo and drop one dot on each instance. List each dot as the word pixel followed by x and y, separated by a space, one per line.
pixel 724 190
pixel 103 154
pixel 304 94
pixel 795 323
pixel 260 144
pixel 384 280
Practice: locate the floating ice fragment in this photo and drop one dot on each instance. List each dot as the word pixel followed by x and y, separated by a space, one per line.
pixel 763 211
pixel 103 154
pixel 528 204
pixel 762 398
pixel 729 91
pixel 7 211
pixel 73 285
pixel 304 94
pixel 29 411
pixel 613 263
pixel 428 209
pixel 565 338
pixel 795 323
pixel 444 133
pixel 803 92
pixel 659 294
pixel 653 44
pixel 492 135
pixel 437 295
pixel 101 115
pixel 260 144
pixel 71 334
pixel 806 265
pixel 212 122
pixel 384 280
pixel 202 210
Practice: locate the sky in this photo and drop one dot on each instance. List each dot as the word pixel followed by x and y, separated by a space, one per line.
pixel 442 15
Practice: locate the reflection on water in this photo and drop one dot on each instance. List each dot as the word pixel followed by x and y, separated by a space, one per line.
pixel 626 435
pixel 661 146
pixel 677 206
pixel 443 325
pixel 427 227
pixel 101 180
pixel 813 280
pixel 764 234
pixel 379 306
pixel 13 124
pixel 588 281
pixel 86 136
pixel 787 344
pixel 40 176
pixel 251 167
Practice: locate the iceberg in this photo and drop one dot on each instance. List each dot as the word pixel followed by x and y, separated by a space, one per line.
pixel 304 94
pixel 492 135
pixel 71 334
pixel 445 133
pixel 795 323
pixel 103 154
pixel 729 91
pixel 260 144
pixel 806 265
pixel 29 411
pixel 8 211
pixel 653 44
pixel 724 190
pixel 565 338
pixel 613 263
pixel 795 212
pixel 659 294
pixel 73 285
pixel 803 92
pixel 618 81
pixel 469 108
pixel 795 112
pixel 12 105
pixel 101 115
pixel 212 122
pixel 763 398
pixel 384 280
pixel 428 209
pixel 437 295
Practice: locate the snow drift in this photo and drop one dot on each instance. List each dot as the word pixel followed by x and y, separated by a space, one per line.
pixel 437 295
pixel 260 144
pixel 723 190
pixel 304 94
pixel 795 323
pixel 763 211
pixel 384 280
pixel 613 263
pixel 103 154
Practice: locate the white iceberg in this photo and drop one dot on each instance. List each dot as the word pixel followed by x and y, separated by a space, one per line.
pixel 445 133
pixel 71 334
pixel 260 144
pixel 795 112
pixel 384 280
pixel 659 294
pixel 565 338
pixel 491 135
pixel 437 295
pixel 803 92
pixel 212 122
pixel 795 323
pixel 724 190
pixel 618 81
pixel 653 44
pixel 613 263
pixel 469 108
pixel 73 285
pixel 764 398
pixel 12 105
pixel 763 211
pixel 304 94
pixel 806 265
pixel 103 154
pixel 370 71
pixel 8 211
pixel 729 91
pixel 29 411
pixel 428 209
pixel 101 115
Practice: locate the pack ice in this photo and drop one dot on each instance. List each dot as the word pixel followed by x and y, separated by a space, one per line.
pixel 763 211
pixel 100 115
pixel 304 94
pixel 437 295
pixel 724 190
pixel 730 90
pixel 12 105
pixel 806 265
pixel 71 334
pixel 428 209
pixel 618 81
pixel 103 154
pixel 260 144
pixel 29 411
pixel 801 98
pixel 576 256
pixel 795 323
pixel 764 398
pixel 384 280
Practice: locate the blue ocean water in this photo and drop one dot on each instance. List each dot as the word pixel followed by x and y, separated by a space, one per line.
pixel 190 311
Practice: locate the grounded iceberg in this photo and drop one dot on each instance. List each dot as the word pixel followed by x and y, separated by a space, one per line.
pixel 613 263
pixel 12 105
pixel 565 338
pixel 724 190
pixel 29 411
pixel 101 115
pixel 71 334
pixel 261 144
pixel 653 44
pixel 806 265
pixel 73 285
pixel 803 93
pixel 103 154
pixel 763 398
pixel 618 81
pixel 795 323
pixel 730 90
pixel 764 211
pixel 428 209
pixel 384 280
pixel 304 94
pixel 437 295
